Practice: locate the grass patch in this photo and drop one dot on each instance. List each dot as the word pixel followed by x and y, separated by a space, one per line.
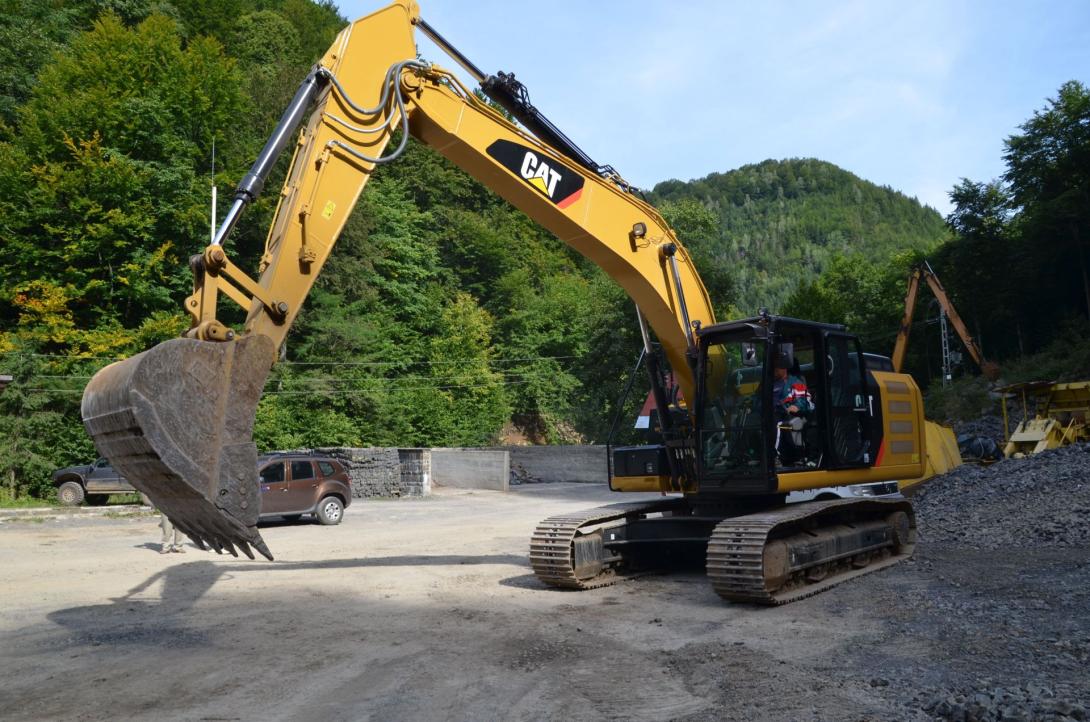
pixel 7 501
pixel 128 514
pixel 27 520
pixel 124 499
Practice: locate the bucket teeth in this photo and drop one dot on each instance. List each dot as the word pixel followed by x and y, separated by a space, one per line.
pixel 177 422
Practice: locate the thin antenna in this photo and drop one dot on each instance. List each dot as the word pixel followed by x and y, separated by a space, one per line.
pixel 213 236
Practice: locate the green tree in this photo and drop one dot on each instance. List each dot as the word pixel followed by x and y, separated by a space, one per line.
pixel 697 228
pixel 30 30
pixel 984 252
pixel 102 200
pixel 781 223
pixel 103 196
pixel 1048 169
pixel 855 291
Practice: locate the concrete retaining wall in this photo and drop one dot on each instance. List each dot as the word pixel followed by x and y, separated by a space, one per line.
pixel 392 472
pixel 415 471
pixel 558 463
pixel 471 468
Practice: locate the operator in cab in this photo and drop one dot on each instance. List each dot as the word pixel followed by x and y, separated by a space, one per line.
pixel 792 402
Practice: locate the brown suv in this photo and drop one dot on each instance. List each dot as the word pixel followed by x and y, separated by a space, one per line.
pixel 297 484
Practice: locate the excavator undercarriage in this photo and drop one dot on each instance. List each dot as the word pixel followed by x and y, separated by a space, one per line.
pixel 768 558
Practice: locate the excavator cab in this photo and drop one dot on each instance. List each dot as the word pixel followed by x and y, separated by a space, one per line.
pixel 778 396
pixel 754 425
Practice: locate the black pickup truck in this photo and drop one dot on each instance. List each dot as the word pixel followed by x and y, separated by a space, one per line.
pixel 94 483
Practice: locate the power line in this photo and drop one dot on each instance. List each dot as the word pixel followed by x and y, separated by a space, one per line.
pixel 306 379
pixel 339 392
pixel 408 362
pixel 430 363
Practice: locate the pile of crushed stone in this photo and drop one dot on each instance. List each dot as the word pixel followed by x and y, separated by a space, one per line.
pixel 990 426
pixel 1024 703
pixel 1039 501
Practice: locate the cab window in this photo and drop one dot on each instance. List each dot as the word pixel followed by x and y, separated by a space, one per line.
pixel 301 470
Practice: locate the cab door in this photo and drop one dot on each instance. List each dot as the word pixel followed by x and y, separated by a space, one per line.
pixel 274 488
pixel 847 411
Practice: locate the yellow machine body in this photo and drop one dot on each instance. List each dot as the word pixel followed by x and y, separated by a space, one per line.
pixel 1062 416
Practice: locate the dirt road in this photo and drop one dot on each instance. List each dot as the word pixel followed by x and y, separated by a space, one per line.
pixel 427 609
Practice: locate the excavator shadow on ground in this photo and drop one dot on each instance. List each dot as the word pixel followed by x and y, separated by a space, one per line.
pixel 184 585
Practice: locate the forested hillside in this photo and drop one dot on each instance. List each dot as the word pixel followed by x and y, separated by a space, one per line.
pixel 782 222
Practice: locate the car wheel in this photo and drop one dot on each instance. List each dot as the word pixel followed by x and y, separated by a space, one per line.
pixel 70 493
pixel 330 510
pixel 292 517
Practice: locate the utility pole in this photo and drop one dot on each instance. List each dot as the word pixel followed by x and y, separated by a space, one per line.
pixel 947 362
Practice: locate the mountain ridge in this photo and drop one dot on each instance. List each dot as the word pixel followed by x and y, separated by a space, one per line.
pixel 781 222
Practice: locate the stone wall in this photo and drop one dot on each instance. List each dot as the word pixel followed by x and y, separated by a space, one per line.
pixel 385 472
pixel 393 472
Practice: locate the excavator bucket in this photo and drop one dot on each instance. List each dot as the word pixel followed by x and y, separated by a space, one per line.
pixel 177 422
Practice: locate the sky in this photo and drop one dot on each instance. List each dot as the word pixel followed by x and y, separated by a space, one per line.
pixel 914 95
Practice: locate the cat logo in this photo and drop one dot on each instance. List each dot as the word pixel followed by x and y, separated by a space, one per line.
pixel 560 184
pixel 540 175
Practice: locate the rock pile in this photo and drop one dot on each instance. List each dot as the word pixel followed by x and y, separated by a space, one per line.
pixel 1026 703
pixel 1038 501
pixel 1002 599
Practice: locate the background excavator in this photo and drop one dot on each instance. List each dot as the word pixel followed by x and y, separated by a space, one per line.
pixel 177 419
pixel 923 271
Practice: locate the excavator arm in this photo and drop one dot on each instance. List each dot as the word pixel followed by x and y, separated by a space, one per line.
pixel 177 420
pixel 900 347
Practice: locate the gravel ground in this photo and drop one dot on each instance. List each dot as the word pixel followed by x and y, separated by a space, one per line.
pixel 1037 502
pixel 990 427
pixel 1004 550
pixel 427 610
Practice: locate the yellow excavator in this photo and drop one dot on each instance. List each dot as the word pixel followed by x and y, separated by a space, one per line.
pixel 177 420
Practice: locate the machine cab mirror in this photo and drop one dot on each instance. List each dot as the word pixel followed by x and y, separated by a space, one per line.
pixel 750 355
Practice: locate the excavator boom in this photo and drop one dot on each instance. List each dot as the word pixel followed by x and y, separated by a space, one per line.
pixel 176 420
